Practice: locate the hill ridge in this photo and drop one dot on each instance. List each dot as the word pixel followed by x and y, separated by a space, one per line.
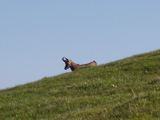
pixel 124 89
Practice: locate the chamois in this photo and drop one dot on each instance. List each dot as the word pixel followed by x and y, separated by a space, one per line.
pixel 73 66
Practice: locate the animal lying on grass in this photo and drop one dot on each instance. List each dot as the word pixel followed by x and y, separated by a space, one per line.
pixel 73 66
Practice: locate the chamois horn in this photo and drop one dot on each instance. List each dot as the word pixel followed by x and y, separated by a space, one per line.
pixel 65 59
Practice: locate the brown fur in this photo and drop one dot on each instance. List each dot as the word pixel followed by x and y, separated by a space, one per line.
pixel 73 66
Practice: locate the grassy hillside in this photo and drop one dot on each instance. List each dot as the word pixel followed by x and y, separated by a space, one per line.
pixel 125 89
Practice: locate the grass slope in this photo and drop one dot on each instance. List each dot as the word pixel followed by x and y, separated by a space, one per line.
pixel 125 89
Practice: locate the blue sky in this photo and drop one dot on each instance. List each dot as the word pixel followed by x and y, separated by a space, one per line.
pixel 36 34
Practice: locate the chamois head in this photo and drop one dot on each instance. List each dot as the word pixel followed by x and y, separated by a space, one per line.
pixel 67 62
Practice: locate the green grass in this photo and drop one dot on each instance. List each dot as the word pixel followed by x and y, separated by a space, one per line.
pixel 125 89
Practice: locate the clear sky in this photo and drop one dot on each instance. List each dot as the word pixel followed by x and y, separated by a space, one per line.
pixel 36 34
